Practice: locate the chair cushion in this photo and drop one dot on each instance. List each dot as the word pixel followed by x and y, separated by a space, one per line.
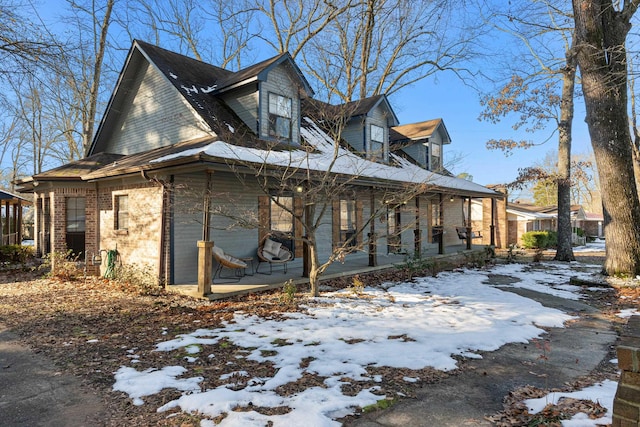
pixel 271 248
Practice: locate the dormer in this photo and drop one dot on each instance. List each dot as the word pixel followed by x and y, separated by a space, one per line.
pixel 367 126
pixel 266 96
pixel 423 142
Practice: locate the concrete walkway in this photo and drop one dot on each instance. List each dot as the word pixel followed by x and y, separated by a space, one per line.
pixel 34 393
pixel 465 399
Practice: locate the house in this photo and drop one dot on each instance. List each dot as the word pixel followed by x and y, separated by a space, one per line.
pixel 523 217
pixel 12 229
pixel 186 152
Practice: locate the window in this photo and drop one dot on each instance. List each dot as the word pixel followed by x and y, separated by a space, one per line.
pixel 394 230
pixel 436 162
pixel 377 133
pixel 121 212
pixel 348 221
pixel 280 116
pixel 75 222
pixel 376 149
pixel 75 214
pixel 281 217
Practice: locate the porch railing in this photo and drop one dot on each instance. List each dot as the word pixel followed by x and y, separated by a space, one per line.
pixel 10 239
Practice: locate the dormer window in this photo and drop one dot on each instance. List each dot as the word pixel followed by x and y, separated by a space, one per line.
pixel 376 151
pixel 280 116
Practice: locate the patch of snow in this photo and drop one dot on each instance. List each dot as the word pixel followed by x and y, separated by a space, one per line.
pixel 428 322
pixel 602 393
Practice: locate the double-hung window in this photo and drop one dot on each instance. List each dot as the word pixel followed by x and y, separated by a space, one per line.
pixel 348 221
pixel 121 212
pixel 280 113
pixel 376 149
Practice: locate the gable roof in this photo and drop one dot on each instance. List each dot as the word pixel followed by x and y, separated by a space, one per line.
pixel 321 110
pixel 259 71
pixel 13 198
pixel 197 82
pixel 419 130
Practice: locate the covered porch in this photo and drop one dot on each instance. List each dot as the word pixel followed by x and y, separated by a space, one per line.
pixel 357 263
pixel 11 214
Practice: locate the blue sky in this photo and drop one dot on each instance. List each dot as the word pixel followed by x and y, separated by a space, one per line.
pixel 445 96
pixel 458 105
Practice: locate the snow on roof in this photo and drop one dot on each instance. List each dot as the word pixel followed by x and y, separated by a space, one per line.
pixel 322 159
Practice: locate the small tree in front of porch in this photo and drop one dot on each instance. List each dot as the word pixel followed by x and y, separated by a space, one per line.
pixel 312 182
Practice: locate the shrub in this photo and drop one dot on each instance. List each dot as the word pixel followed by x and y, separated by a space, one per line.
pixel 62 265
pixel 15 254
pixel 539 239
pixel 553 239
pixel 138 277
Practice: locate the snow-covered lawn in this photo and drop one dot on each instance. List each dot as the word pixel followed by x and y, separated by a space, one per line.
pixel 403 325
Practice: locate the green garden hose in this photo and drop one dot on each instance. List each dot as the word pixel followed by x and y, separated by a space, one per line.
pixel 110 272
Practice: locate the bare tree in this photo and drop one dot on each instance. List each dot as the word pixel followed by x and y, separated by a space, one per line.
pixel 533 95
pixel 601 31
pixel 23 46
pixel 359 48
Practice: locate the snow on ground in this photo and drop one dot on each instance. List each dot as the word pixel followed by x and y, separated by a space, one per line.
pixel 548 277
pixel 602 393
pixel 405 325
pixel 596 246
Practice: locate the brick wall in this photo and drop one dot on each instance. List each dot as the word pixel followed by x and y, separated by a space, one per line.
pixel 626 405
pixel 499 219
pixel 140 243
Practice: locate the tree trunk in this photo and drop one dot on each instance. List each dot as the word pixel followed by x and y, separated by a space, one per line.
pixel 564 250
pixel 600 34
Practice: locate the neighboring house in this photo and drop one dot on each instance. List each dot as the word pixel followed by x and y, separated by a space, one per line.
pixel 12 218
pixel 524 217
pixel 175 128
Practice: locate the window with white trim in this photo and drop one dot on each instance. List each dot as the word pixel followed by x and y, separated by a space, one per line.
pixel 280 113
pixel 121 214
pixel 376 148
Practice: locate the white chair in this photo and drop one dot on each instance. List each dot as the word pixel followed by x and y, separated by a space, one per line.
pixel 273 253
pixel 227 261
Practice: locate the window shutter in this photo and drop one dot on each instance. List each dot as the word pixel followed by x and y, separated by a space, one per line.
pixel 359 230
pixel 335 223
pixel 298 229
pixel 264 217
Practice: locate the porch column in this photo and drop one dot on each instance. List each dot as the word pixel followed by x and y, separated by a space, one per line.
pixel 19 222
pixel 492 227
pixel 205 265
pixel 469 231
pixel 7 219
pixel 441 221
pixel 417 234
pixel 373 247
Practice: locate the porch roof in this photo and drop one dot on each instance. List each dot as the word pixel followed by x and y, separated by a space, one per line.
pixel 13 198
pixel 209 150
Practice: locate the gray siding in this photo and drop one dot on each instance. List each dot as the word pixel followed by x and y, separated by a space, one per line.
pixel 244 102
pixel 156 116
pixel 279 82
pixel 227 191
pixel 379 117
pixel 353 134
pixel 417 152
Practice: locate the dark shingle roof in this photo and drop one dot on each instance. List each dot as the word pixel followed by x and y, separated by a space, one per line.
pixel 79 168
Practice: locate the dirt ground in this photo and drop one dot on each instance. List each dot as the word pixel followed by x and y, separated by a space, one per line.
pixel 57 317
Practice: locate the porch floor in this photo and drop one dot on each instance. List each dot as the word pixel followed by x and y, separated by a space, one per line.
pixel 354 264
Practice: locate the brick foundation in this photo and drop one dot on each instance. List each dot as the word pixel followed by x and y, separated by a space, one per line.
pixel 626 405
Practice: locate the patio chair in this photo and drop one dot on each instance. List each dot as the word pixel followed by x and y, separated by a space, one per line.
pixel 227 261
pixel 462 233
pixel 273 253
